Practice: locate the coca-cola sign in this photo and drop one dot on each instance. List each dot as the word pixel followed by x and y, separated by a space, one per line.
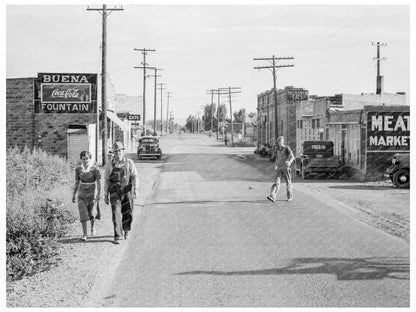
pixel 65 93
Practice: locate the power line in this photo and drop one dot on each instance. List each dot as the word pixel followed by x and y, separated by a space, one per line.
pixel 161 106
pixel 105 12
pixel 167 113
pixel 154 111
pixel 144 52
pixel 273 67
pixel 235 90
pixel 219 92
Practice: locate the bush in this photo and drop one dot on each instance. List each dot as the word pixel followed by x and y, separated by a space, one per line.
pixel 34 223
pixel 28 170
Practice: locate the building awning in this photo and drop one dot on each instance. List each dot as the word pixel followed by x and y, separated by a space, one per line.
pixel 118 121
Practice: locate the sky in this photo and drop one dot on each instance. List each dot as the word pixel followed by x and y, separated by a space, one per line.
pixel 202 47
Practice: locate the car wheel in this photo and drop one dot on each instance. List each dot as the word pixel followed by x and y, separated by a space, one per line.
pixel 401 178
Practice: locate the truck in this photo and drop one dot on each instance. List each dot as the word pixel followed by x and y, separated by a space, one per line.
pixel 317 158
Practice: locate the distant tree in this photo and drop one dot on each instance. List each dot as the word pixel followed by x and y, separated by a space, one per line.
pixel 240 116
pixel 190 123
pixel 209 112
pixel 222 110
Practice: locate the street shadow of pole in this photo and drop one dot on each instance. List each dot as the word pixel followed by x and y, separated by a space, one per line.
pixel 344 268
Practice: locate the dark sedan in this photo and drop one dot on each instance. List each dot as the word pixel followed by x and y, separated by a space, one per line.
pixel 149 147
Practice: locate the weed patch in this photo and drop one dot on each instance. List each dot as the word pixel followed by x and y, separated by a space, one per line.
pixel 34 220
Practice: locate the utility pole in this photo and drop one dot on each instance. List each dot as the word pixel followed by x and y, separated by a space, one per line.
pixel 380 79
pixel 171 118
pixel 273 67
pixel 212 115
pixel 105 12
pixel 154 111
pixel 218 113
pixel 161 106
pixel 212 104
pixel 237 90
pixel 144 52
pixel 167 114
pixel 219 92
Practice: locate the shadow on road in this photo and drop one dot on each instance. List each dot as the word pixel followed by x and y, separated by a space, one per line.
pixel 363 187
pixel 203 202
pixel 91 239
pixel 343 268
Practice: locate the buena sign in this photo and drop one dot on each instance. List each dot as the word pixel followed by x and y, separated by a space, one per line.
pixel 388 131
pixel 65 93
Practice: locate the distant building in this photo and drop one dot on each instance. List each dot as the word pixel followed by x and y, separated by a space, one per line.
pixel 128 104
pixel 312 116
pixel 367 138
pixel 286 114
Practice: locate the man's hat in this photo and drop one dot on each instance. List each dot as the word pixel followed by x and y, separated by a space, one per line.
pixel 280 138
pixel 118 146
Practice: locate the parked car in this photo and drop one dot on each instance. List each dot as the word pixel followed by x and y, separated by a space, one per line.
pixel 316 158
pixel 149 147
pixel 399 171
pixel 266 150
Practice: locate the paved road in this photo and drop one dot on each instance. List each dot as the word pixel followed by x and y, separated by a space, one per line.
pixel 204 238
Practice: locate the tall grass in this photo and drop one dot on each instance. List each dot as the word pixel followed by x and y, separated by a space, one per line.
pixel 34 219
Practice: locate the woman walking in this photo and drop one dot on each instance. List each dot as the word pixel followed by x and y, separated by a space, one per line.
pixel 87 176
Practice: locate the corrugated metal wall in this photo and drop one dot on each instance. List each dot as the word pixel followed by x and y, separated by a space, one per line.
pixel 77 142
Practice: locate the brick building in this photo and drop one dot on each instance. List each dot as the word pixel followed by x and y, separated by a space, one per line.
pixel 286 114
pixel 56 116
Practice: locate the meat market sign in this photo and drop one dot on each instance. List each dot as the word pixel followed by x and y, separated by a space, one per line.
pixel 65 93
pixel 388 131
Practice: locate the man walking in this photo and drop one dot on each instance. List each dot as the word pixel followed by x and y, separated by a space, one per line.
pixel 120 188
pixel 284 158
